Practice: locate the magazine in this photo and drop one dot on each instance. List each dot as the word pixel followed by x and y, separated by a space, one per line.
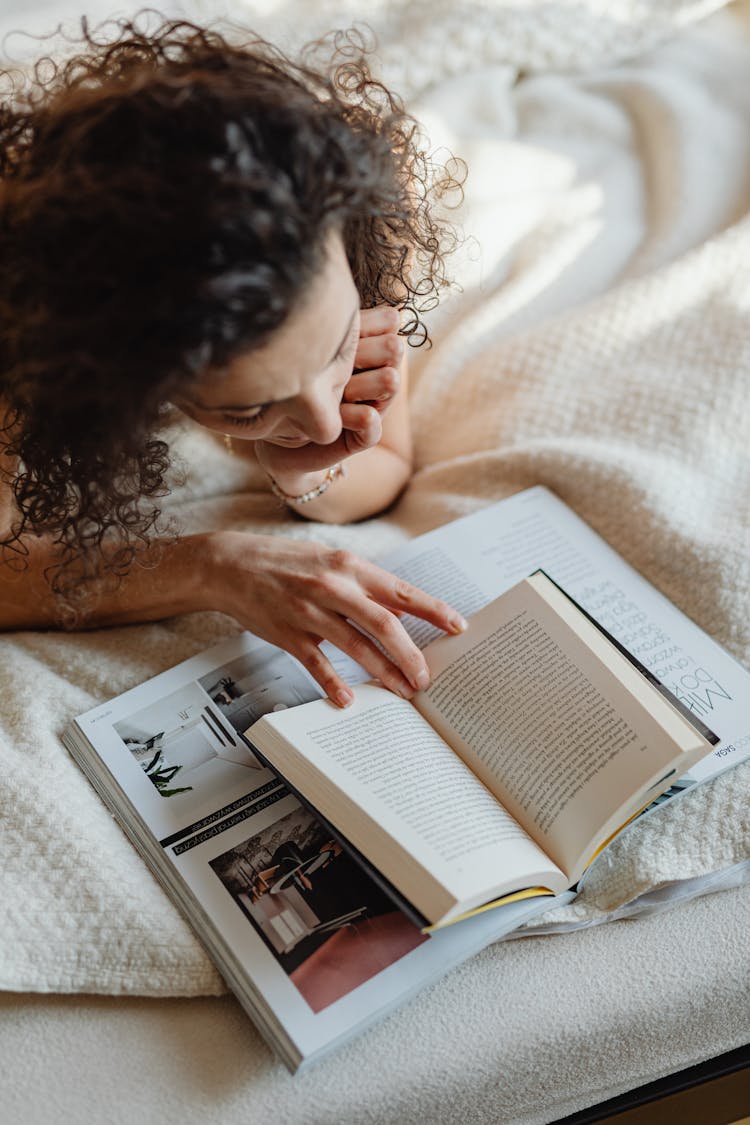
pixel 310 944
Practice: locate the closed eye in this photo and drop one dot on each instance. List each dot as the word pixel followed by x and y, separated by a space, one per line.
pixel 245 420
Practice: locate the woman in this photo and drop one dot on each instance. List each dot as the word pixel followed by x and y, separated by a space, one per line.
pixel 189 223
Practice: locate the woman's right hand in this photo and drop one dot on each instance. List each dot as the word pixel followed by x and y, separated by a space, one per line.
pixel 296 594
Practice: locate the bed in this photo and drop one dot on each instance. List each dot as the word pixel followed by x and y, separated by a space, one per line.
pixel 598 345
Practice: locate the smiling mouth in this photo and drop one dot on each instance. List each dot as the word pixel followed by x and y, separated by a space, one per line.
pixel 290 443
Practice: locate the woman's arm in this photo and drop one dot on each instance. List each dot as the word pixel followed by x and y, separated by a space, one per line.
pixel 293 594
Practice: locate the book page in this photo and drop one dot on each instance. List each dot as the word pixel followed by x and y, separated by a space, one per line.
pixel 545 724
pixel 381 773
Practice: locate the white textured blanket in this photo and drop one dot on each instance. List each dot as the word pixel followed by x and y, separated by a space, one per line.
pixel 600 347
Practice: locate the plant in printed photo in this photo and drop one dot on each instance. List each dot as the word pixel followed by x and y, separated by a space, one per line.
pixel 184 745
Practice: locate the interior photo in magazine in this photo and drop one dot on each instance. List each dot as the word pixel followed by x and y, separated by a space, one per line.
pixel 328 924
pixel 189 741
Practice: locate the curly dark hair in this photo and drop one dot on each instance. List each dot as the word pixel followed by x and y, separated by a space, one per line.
pixel 165 197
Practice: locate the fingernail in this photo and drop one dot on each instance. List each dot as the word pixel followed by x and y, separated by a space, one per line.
pixel 459 625
pixel 344 698
pixel 421 680
pixel 406 691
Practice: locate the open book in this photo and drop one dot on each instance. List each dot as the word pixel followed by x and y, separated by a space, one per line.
pixel 537 740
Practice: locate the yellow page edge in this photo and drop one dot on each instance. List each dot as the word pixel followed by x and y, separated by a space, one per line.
pixel 517 896
pixel 617 832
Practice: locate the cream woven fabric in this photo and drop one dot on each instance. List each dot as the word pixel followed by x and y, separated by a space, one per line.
pixel 599 346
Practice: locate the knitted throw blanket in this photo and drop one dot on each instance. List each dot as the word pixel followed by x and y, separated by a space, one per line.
pixel 599 347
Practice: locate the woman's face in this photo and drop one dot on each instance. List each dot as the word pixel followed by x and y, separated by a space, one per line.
pixel 288 392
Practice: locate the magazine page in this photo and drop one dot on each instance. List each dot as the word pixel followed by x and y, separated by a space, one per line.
pixel 474 559
pixel 312 946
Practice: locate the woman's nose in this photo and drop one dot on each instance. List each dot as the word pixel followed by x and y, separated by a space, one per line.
pixel 320 419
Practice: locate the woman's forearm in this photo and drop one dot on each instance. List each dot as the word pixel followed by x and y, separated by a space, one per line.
pixel 289 592
pixel 171 577
pixel 182 575
pixel 373 480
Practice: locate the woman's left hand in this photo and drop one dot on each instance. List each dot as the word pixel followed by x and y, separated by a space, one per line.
pixel 371 389
pixel 375 378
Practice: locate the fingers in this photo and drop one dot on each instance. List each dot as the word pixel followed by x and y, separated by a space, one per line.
pixel 404 677
pixel 401 666
pixel 379 321
pixel 360 648
pixel 393 657
pixel 322 671
pixel 378 351
pixel 379 344
pixel 362 428
pixel 390 590
pixel 378 663
pixel 378 387
pixel 302 593
pixel 307 459
pixel 375 379
pixel 352 610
